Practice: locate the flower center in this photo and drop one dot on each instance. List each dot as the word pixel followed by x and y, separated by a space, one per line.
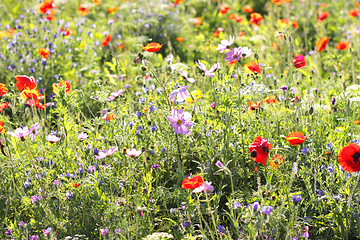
pixel 253 154
pixel 265 149
pixel 179 122
pixel 235 56
pixel 356 157
pixel 244 54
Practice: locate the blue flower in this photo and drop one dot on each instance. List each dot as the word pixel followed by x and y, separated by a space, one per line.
pixel 256 205
pixel 305 150
pixel 153 128
pixel 185 224
pixel 221 229
pixel 266 210
pixel 296 198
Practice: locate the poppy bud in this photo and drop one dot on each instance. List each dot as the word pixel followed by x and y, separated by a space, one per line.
pixel 143 149
pixel 143 68
pixel 149 123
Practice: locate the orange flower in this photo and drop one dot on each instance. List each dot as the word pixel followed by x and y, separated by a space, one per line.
pixel 271 99
pixel 178 2
pixel 216 33
pixel 58 86
pixel 252 67
pixel 321 44
pixel 84 10
pixel 275 46
pixel 3 89
pixel 284 21
pixel 223 9
pixel 322 16
pixel 357 4
pixel 276 161
pixel 253 106
pixel 354 13
pixel 342 45
pixel 3 106
pixel 112 9
pixel 97 2
pixel 46 5
pixel 279 2
pixel 25 82
pixel 296 138
pixel 255 18
pixel 357 122
pixel 75 185
pixel 241 34
pixel 51 17
pixel 106 40
pixel 44 52
pixel 197 21
pixel 2 129
pixel 152 47
pixel 180 39
pixel 31 93
pixel 259 150
pixel 11 31
pixel 110 117
pixel 192 183
pixel 349 158
pixel 248 9
pixel 35 103
pixel 323 5
pixel 68 31
pixel 295 24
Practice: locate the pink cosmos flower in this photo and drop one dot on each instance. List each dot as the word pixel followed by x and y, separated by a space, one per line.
pixel 207 188
pixel 210 72
pixel 184 75
pixel 52 138
pixel 34 131
pixel 104 153
pixel 179 94
pixel 180 121
pixel 115 95
pixel 224 44
pixel 20 133
pixel 82 136
pixel 212 105
pixel 133 152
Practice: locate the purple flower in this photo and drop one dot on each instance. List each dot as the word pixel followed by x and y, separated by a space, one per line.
pixel 329 145
pixel 104 231
pixel 82 136
pixel 104 153
pixel 156 166
pixel 91 169
pixel 34 131
pixel 69 195
pixel 21 224
pixel 284 88
pixel 52 138
pixel 133 152
pixel 20 133
pixel 234 54
pixel 207 188
pixel 180 121
pixel 185 224
pixel 221 229
pixel 35 198
pixel 219 164
pixel 117 231
pixel 333 101
pixel 296 198
pixel 184 75
pixel 47 231
pixel 209 72
pixel 305 235
pixel 56 182
pixel 237 205
pixel 256 205
pixel 153 128
pixel 34 237
pixel 212 105
pixel 266 210
pixel 179 94
pixel 8 232
pixel 305 150
pixel 224 44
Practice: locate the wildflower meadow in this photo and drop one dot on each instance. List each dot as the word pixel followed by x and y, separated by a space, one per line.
pixel 179 119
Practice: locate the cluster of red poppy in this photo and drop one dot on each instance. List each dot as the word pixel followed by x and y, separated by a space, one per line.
pixel 47 7
pixel 29 93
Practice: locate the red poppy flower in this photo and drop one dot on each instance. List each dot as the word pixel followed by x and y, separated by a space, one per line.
pixel 284 21
pixel 44 52
pixel 342 45
pixel 3 106
pixel 276 161
pixel 322 16
pixel 259 150
pixel 180 39
pixel 110 117
pixel 31 93
pixel 296 138
pixel 357 122
pixel 97 2
pixel 279 2
pixel 197 21
pixel 178 2
pixel 295 24
pixel 83 10
pixel 35 103
pixel 106 40
pixel 75 185
pixel 153 47
pixel 253 106
pixel 3 89
pixel 321 44
pixel 68 31
pixel 112 9
pixel 354 13
pixel 46 5
pixel 357 4
pixel 223 9
pixel 11 31
pixel 57 86
pixel 349 158
pixel 255 18
pixel 25 82
pixel 299 61
pixel 248 9
pixel 271 99
pixel 2 129
pixel 192 183
pixel 252 67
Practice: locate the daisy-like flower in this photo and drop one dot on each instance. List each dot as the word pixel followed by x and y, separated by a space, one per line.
pixel 34 131
pixel 184 74
pixel 20 133
pixel 224 44
pixel 246 52
pixel 106 153
pixel 180 121
pixel 133 152
pixel 234 55
pixel 210 72
pixel 179 94
pixel 82 136
pixel 52 138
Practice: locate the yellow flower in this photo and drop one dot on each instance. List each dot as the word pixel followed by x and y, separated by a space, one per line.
pixel 196 95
